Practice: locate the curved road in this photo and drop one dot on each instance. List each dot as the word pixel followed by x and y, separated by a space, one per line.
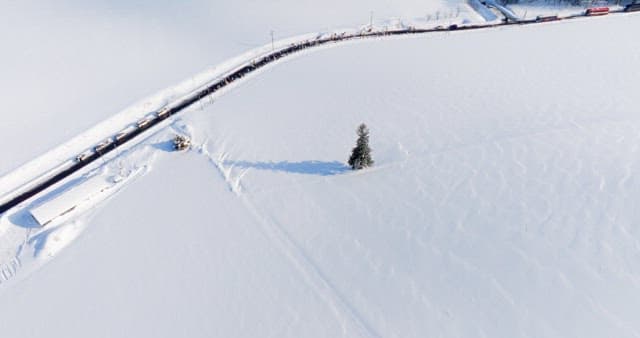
pixel 65 170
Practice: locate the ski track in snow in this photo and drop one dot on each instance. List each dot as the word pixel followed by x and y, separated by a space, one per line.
pixel 10 257
pixel 513 161
pixel 520 162
pixel 51 239
pixel 345 312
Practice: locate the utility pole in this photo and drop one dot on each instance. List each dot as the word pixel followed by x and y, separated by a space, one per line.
pixel 272 45
pixel 371 19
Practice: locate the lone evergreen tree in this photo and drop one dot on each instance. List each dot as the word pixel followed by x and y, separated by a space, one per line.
pixel 361 154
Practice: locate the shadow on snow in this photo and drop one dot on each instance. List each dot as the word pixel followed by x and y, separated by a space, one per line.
pixel 166 146
pixel 22 218
pixel 305 167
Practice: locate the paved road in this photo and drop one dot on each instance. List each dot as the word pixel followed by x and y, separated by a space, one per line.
pixel 66 169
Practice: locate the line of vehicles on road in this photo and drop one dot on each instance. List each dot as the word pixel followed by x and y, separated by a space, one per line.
pixel 593 11
pixel 133 130
pixel 123 135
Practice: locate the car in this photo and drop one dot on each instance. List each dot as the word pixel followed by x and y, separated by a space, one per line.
pixel 547 18
pixel 103 145
pixel 597 11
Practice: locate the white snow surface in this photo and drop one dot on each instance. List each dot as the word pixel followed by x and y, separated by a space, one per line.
pixel 502 202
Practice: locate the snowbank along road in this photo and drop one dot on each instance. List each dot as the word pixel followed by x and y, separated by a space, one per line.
pixel 64 170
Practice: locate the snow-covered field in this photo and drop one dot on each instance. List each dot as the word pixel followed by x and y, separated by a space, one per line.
pixel 502 203
pixel 88 61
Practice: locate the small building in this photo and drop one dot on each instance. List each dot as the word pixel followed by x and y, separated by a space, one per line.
pixel 60 207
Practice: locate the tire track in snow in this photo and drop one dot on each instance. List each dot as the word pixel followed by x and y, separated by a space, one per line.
pixel 310 271
pixel 10 258
pixel 7 271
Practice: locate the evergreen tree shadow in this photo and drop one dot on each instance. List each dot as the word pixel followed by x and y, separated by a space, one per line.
pixel 305 167
pixel 166 146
